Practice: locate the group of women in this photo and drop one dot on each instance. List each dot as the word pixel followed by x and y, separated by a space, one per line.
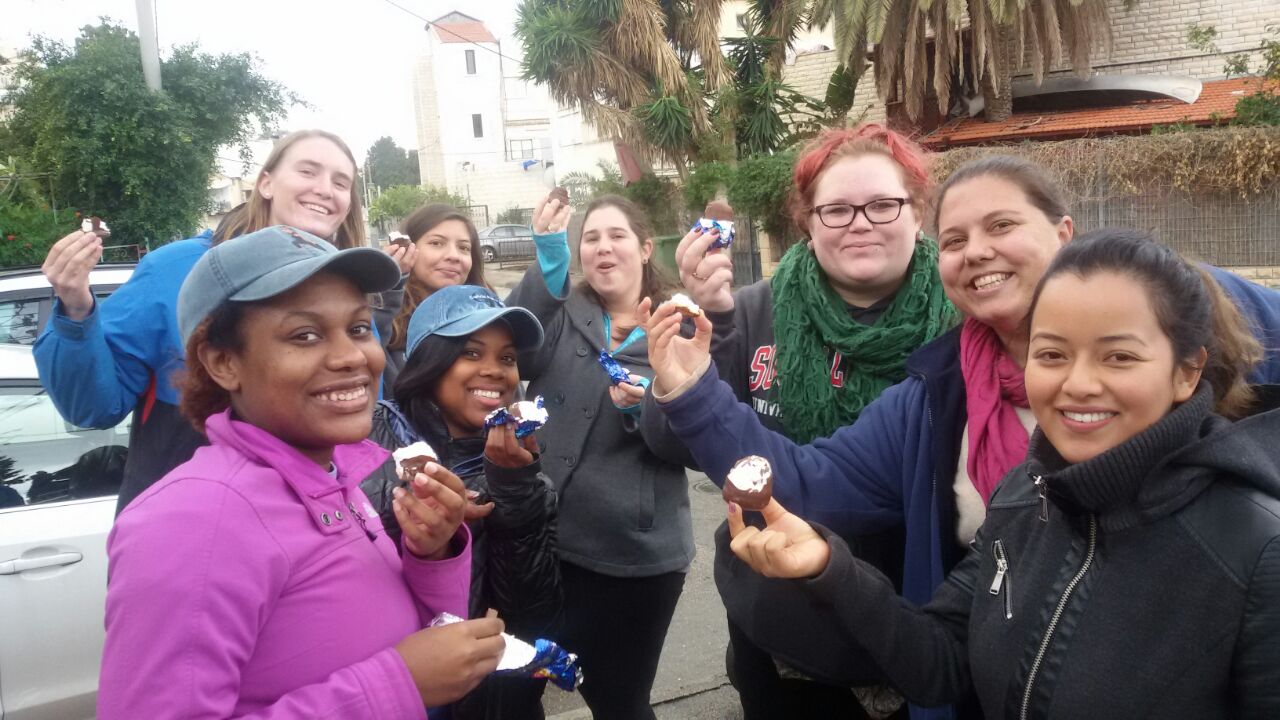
pixel 1059 422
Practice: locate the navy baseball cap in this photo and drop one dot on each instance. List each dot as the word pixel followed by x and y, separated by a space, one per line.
pixel 459 310
pixel 266 263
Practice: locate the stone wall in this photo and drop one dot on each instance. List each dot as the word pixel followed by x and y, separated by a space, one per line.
pixel 810 74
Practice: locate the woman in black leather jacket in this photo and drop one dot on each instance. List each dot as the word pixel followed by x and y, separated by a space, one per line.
pixel 462 346
pixel 1131 566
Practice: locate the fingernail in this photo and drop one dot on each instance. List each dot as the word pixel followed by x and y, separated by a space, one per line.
pixel 421 481
pixel 698 230
pixel 734 509
pixel 431 468
pixel 397 493
pixel 473 494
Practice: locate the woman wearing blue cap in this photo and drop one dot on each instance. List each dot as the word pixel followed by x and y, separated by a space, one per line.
pixel 460 365
pixel 255 580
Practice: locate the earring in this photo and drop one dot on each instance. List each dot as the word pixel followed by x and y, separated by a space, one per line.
pixel 919 236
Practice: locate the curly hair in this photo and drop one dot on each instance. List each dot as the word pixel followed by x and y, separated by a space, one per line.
pixel 201 395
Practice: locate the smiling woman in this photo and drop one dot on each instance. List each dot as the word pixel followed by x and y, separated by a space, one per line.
pixel 269 521
pixel 99 362
pixel 462 345
pixel 447 252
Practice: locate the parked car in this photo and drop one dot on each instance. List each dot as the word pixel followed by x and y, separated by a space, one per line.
pixel 58 486
pixel 506 242
pixel 26 299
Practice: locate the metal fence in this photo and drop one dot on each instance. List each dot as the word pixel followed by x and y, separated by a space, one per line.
pixel 1218 228
pixel 479 215
pixel 745 252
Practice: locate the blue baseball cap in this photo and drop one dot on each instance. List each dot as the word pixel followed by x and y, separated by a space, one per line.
pixel 459 310
pixel 266 263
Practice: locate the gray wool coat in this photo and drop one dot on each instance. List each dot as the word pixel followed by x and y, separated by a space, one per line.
pixel 624 497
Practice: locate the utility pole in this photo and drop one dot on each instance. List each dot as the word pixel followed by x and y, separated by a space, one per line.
pixel 150 44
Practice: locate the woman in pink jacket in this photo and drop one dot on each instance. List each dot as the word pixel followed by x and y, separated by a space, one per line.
pixel 255 580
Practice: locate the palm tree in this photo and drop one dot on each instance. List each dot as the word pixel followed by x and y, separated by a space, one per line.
pixel 637 69
pixel 993 38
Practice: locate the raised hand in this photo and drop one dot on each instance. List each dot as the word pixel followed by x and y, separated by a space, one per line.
pixel 67 267
pixel 449 661
pixel 405 257
pixel 788 547
pixel 550 216
pixel 503 449
pixel 431 512
pixel 707 275
pixel 674 359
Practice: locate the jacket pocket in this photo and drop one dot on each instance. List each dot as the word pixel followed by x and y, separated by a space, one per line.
pixel 646 496
pixel 1000 584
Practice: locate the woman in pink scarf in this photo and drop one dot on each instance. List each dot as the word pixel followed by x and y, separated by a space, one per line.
pixel 926 455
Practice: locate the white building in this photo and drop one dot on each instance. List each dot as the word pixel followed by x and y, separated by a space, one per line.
pixel 483 131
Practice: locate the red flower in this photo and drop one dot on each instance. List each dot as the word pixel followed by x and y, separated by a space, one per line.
pixel 11 238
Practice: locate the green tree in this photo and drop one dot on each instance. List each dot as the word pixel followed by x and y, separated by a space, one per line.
pixel 1262 106
pixel 395 203
pixel 389 164
pixel 114 148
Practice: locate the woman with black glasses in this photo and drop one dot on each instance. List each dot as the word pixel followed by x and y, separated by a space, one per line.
pixel 809 348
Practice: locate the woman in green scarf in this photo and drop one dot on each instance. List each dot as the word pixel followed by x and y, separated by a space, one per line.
pixel 810 348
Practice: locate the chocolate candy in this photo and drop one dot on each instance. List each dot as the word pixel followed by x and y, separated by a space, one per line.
pixel 561 194
pixel 749 483
pixel 617 373
pixel 412 459
pixel 528 416
pixel 96 226
pixel 717 216
pixel 397 238
pixel 685 305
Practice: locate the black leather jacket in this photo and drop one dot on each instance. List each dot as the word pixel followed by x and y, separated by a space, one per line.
pixel 1143 583
pixel 514 565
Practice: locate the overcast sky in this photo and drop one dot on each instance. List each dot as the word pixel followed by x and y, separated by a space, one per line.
pixel 351 59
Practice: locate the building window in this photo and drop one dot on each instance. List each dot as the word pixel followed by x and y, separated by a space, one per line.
pixel 520 149
pixel 477 126
pixel 471 62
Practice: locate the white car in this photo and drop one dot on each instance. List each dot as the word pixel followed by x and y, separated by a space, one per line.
pixel 58 486
pixel 26 299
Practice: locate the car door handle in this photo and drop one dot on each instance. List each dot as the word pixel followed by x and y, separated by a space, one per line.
pixel 17 565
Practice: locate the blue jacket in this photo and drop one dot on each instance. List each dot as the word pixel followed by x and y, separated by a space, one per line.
pixel 895 466
pixel 122 358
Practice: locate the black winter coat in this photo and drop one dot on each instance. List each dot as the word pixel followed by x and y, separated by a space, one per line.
pixel 515 568
pixel 1143 583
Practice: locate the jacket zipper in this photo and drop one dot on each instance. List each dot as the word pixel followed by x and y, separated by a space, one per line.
pixel 1043 489
pixel 1003 578
pixel 1057 613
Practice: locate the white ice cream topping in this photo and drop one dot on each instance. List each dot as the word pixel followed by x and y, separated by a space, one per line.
pixel 417 449
pixel 750 474
pixel 527 410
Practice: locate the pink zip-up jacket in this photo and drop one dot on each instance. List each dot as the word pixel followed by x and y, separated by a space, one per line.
pixel 248 583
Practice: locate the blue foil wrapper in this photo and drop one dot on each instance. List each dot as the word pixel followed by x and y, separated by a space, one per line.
pixel 617 373
pixel 524 426
pixel 552 662
pixel 724 226
pixel 549 661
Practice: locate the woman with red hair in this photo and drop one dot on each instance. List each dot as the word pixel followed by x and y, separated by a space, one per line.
pixel 809 348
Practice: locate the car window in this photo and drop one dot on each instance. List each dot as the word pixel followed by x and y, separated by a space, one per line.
pixel 20 320
pixel 44 459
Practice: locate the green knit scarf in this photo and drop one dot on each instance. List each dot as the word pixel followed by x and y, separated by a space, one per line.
pixel 810 320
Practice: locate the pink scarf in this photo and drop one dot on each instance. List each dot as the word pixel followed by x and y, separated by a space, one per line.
pixel 993 385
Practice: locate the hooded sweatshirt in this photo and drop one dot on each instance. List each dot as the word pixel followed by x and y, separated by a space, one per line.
pixel 251 583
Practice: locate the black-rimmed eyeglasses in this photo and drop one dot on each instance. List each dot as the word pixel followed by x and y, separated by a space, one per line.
pixel 877 212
